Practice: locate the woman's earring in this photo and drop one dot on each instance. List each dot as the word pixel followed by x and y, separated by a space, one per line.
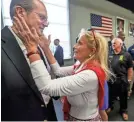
pixel 90 55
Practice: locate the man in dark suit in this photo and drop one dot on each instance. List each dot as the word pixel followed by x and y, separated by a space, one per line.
pixel 20 98
pixel 58 52
pixel 110 49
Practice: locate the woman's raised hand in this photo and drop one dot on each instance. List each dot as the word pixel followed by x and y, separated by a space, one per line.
pixel 45 42
pixel 28 35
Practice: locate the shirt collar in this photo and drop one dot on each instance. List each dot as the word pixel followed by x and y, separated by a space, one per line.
pixel 119 53
pixel 22 46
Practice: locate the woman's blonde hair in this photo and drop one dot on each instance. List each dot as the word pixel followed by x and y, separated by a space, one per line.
pixel 97 41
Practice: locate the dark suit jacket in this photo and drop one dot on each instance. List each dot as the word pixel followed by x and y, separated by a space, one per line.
pixel 124 48
pixel 20 98
pixel 59 55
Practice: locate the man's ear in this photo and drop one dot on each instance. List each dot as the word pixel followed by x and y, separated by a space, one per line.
pixel 19 11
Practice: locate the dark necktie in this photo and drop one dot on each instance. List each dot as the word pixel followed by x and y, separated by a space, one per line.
pixel 42 57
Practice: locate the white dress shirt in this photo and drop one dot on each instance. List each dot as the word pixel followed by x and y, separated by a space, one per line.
pixel 23 48
pixel 81 89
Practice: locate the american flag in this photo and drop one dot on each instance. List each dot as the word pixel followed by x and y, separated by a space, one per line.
pixel 101 24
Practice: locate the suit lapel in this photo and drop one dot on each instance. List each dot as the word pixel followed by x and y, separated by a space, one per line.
pixel 16 56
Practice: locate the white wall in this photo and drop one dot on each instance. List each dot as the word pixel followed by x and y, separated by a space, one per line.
pixel 80 17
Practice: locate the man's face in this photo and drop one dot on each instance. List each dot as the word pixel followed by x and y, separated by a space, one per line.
pixel 56 42
pixel 122 37
pixel 37 18
pixel 116 44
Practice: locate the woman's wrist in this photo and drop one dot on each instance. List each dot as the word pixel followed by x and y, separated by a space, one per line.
pixel 31 49
pixel 34 57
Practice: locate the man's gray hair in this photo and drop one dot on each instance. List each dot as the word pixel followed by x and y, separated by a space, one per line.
pixel 26 4
pixel 117 39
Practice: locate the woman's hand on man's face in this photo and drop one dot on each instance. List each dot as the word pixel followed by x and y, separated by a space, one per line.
pixel 28 35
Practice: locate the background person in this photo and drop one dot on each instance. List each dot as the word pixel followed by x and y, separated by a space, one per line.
pixel 121 35
pixel 131 52
pixel 121 65
pixel 110 45
pixel 58 54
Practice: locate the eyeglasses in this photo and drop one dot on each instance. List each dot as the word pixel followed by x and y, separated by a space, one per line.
pixel 42 17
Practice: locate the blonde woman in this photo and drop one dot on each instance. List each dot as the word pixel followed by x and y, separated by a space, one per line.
pixel 83 84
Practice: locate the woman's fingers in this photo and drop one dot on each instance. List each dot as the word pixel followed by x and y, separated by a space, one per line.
pixel 24 24
pixel 44 42
pixel 15 28
pixel 18 24
pixel 29 37
pixel 19 27
pixel 49 38
pixel 17 31
pixel 34 32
